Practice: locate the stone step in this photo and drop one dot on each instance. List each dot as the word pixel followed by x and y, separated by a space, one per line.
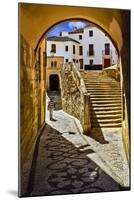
pixel 105 116
pixel 114 105
pixel 104 101
pixel 106 121
pixel 102 87
pixel 105 98
pixel 95 92
pixel 100 95
pixel 98 80
pixel 100 108
pixel 103 83
pixel 108 112
pixel 113 125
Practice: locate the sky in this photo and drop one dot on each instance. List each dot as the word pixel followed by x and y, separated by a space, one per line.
pixel 66 26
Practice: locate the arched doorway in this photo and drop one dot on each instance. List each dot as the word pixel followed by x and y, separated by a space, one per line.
pixel 54 82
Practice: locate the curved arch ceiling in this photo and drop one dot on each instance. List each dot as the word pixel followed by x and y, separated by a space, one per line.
pixel 36 19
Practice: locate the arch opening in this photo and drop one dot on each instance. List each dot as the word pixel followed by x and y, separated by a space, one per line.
pixel 75 19
pixel 54 82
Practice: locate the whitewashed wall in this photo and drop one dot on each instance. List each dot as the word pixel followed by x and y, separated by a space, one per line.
pixel 60 50
pixel 98 40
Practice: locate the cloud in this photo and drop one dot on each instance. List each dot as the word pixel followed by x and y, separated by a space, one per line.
pixel 77 25
pixel 61 27
pixel 67 26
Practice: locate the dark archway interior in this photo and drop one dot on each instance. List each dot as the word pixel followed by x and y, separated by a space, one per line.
pixel 54 82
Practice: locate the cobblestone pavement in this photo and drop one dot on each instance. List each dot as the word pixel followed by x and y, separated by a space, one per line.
pixel 61 168
pixel 106 143
pixel 67 162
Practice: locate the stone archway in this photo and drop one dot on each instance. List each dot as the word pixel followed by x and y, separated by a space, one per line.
pixel 35 21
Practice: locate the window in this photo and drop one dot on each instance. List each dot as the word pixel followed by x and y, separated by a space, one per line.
pixel 80 50
pixel 80 37
pixel 81 63
pixel 66 48
pixel 107 49
pixel 73 49
pixel 55 63
pixel 52 64
pixel 90 33
pixel 66 60
pixel 53 48
pixel 91 49
pixel 91 62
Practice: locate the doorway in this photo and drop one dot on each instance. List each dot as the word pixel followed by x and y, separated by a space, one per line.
pixel 54 82
pixel 107 62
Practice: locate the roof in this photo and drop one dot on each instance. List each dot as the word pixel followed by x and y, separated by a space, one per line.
pixel 61 39
pixel 80 30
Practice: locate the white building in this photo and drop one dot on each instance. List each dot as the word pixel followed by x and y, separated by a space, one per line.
pixel 89 48
pixel 63 46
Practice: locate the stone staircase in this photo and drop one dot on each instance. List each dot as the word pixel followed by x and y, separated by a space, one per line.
pixel 105 99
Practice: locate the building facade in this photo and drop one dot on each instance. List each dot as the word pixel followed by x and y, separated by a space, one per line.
pixel 89 48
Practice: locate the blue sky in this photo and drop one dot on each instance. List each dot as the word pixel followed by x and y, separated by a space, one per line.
pixel 66 26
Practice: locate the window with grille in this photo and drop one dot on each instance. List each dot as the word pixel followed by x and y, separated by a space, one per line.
pixel 90 33
pixel 80 50
pixel 107 49
pixel 91 49
pixel 80 37
pixel 52 63
pixel 73 49
pixel 53 48
pixel 66 48
pixel 55 63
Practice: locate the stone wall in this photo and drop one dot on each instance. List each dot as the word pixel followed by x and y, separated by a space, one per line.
pixel 75 100
pixel 113 72
pixel 126 64
pixel 32 102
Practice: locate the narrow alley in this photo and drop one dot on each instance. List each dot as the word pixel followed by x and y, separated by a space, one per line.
pixel 67 162
pixel 78 63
